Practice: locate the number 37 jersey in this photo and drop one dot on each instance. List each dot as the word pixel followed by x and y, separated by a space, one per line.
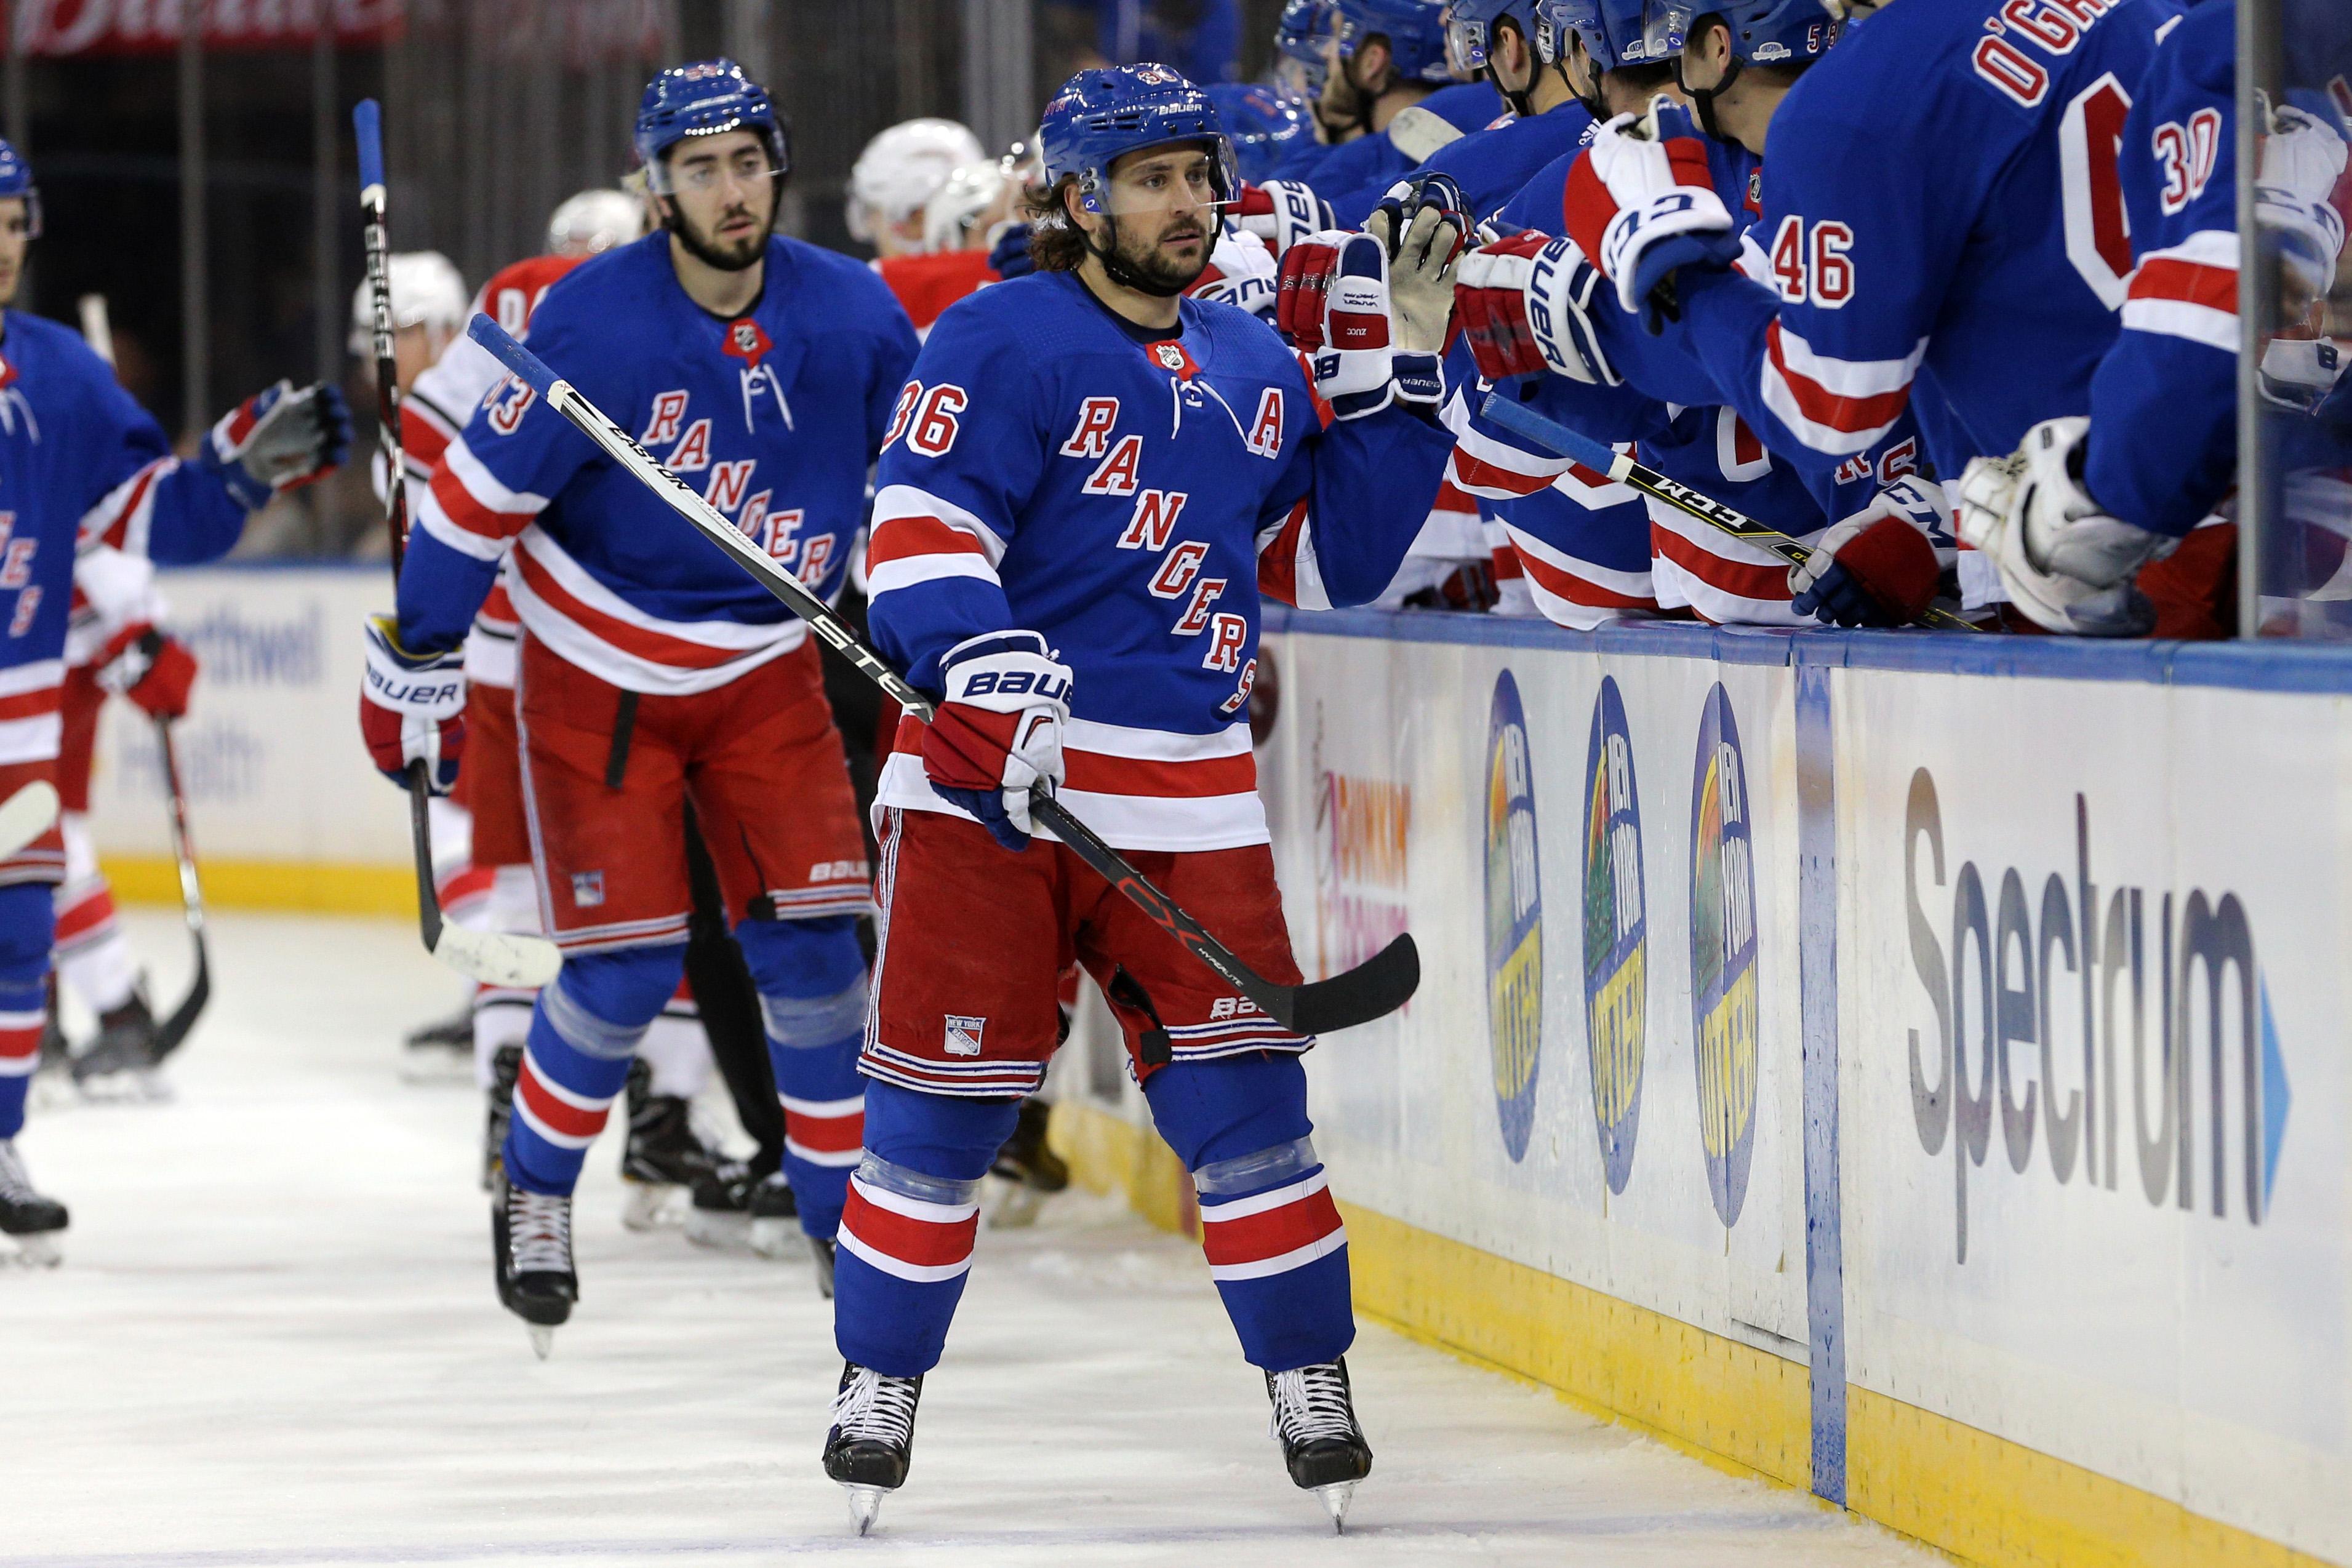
pixel 1132 501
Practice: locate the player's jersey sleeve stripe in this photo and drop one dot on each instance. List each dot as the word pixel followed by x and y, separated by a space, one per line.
pixel 122 517
pixel 892 503
pixel 1287 569
pixel 2189 291
pixel 1498 471
pixel 1578 583
pixel 472 500
pixel 1834 406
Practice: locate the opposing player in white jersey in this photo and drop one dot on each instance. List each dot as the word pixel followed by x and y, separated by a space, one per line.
pixel 897 175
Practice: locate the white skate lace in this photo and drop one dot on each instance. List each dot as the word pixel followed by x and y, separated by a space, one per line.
pixel 1311 1404
pixel 15 1184
pixel 538 1232
pixel 874 1409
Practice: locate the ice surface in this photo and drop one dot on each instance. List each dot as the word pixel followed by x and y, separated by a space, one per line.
pixel 274 1343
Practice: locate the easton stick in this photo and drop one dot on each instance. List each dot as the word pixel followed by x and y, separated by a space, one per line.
pixel 494 958
pixel 1373 989
pixel 174 1029
pixel 1578 448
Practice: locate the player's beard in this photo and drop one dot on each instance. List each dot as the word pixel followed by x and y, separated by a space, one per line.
pixel 1140 264
pixel 733 255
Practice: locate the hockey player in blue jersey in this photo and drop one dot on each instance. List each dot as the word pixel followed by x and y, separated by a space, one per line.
pixel 1883 260
pixel 651 673
pixel 81 465
pixel 2077 517
pixel 1091 484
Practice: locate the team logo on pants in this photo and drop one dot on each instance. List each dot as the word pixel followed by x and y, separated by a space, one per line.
pixel 587 888
pixel 963 1035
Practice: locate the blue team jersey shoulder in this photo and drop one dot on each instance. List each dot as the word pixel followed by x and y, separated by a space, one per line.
pixel 1466 106
pixel 1493 165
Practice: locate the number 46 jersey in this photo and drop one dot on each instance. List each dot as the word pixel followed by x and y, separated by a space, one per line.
pixel 1130 496
pixel 1940 204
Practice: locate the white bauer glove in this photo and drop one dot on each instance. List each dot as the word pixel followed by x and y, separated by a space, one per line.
pixel 2302 159
pixel 2067 564
pixel 1365 347
pixel 997 734
pixel 413 707
pixel 1666 217
pixel 1282 213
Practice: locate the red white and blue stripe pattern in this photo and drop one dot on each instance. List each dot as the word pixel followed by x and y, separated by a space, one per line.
pixel 1271 1232
pixel 909 1238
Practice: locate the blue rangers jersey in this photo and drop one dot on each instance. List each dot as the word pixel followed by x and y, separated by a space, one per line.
pixel 775 416
pixel 1942 206
pixel 1132 496
pixel 1380 158
pixel 2164 403
pixel 81 463
pixel 1490 165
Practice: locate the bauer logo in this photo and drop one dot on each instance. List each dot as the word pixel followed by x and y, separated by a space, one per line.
pixel 1514 919
pixel 1616 935
pixel 1723 957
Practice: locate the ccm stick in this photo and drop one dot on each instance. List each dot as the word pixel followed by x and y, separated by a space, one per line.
pixel 494 958
pixel 1371 990
pixel 1554 437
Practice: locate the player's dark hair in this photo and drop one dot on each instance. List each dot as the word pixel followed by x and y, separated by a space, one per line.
pixel 1054 243
pixel 1649 79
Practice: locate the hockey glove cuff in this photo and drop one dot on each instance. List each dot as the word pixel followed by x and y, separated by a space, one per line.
pixel 1334 306
pixel 1666 214
pixel 998 734
pixel 1282 213
pixel 413 707
pixel 277 439
pixel 2066 564
pixel 1525 304
pixel 151 669
pixel 1879 567
pixel 1008 257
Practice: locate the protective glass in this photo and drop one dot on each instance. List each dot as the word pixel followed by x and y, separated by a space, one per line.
pixel 1466 44
pixel 1164 179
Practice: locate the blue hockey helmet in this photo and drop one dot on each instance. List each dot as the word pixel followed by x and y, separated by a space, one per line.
pixel 1763 32
pixel 1261 124
pixel 17 184
pixel 1414 29
pixel 707 98
pixel 1099 116
pixel 1620 33
pixel 1299 34
pixel 1470 31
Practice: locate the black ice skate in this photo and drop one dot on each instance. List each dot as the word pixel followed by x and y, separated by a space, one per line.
pixel 120 1063
pixel 663 1157
pixel 35 1223
pixel 530 1244
pixel 873 1437
pixel 506 1066
pixel 821 1249
pixel 776 1219
pixel 441 1050
pixel 720 1215
pixel 1321 1444
pixel 1032 1171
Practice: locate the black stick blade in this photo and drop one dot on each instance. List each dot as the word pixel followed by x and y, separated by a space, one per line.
pixel 1373 989
pixel 173 1030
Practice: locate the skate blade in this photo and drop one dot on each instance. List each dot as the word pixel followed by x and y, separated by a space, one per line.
pixel 37 1251
pixel 132 1085
pixel 864 1505
pixel 1334 1498
pixel 426 1069
pixel 1017 1206
pixel 779 1240
pixel 725 1231
pixel 650 1205
pixel 542 1339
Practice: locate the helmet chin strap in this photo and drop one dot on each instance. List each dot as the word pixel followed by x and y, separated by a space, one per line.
pixel 1703 98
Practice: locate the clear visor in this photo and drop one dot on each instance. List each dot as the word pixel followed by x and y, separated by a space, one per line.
pixel 1297 77
pixel 1466 45
pixel 1172 179
pixel 29 225
pixel 694 165
pixel 1665 25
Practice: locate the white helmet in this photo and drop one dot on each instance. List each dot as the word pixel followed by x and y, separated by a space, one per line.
pixel 426 293
pixel 902 167
pixel 969 191
pixel 593 221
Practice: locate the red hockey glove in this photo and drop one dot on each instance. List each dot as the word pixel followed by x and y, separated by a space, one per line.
pixel 412 708
pixel 1880 566
pixel 1281 213
pixel 1525 304
pixel 997 734
pixel 153 671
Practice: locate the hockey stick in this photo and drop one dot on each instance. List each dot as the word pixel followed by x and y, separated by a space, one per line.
pixel 175 1029
pixel 27 815
pixel 494 958
pixel 1578 448
pixel 1372 989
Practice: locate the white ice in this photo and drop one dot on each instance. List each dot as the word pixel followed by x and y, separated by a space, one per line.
pixel 274 1343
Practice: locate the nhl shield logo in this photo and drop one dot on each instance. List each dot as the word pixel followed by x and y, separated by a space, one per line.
pixel 746 342
pixel 1170 356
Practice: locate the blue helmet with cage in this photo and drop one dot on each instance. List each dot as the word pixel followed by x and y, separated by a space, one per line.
pixel 1261 124
pixel 17 184
pixel 708 98
pixel 1620 33
pixel 1299 34
pixel 1100 116
pixel 1414 30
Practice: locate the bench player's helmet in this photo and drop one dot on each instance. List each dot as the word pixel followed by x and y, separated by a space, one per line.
pixel 1100 116
pixel 1620 33
pixel 17 184
pixel 1789 33
pixel 1470 30
pixel 708 98
pixel 1261 124
pixel 1414 29
pixel 1299 34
